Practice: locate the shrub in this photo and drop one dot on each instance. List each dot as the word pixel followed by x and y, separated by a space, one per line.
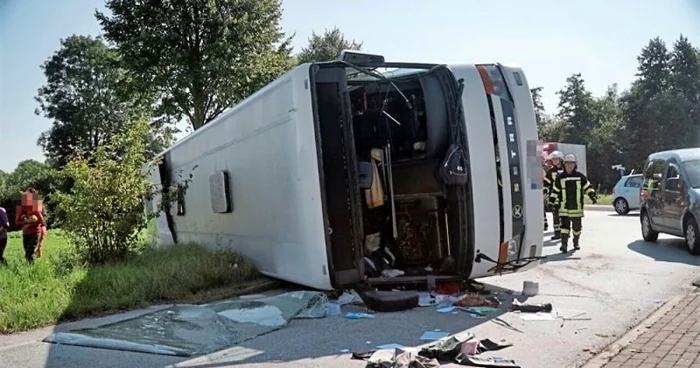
pixel 104 211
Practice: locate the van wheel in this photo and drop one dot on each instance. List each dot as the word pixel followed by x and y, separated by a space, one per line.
pixel 621 206
pixel 692 235
pixel 647 232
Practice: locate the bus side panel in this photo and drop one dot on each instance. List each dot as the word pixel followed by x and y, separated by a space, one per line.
pixel 267 146
pixel 533 211
pixel 482 167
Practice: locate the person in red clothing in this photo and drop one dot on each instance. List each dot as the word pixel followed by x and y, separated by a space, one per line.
pixel 30 218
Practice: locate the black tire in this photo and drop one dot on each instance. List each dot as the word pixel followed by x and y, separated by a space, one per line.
pixel 648 233
pixel 390 301
pixel 692 235
pixel 621 206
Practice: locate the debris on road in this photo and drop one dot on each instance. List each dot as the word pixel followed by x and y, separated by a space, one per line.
pixel 460 348
pixel 530 288
pixel 187 330
pixel 531 308
pixel 354 315
pixel 434 335
pixel 349 297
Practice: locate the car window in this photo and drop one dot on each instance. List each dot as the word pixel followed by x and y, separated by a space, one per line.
pixel 692 170
pixel 673 178
pixel 634 182
pixel 652 175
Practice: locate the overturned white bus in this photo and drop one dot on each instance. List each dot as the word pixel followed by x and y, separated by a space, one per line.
pixel 332 175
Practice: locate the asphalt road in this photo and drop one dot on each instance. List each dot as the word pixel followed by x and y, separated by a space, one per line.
pixel 616 278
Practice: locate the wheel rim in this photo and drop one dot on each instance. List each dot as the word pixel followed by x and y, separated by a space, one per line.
pixel 620 206
pixel 690 236
pixel 645 225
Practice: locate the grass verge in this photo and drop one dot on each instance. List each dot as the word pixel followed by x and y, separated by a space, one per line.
pixel 603 200
pixel 58 288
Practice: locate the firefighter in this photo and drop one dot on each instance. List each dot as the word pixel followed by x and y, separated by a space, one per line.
pixel 544 190
pixel 549 178
pixel 567 194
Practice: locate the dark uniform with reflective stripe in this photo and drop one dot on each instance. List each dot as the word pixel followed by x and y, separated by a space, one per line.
pixel 549 179
pixel 567 193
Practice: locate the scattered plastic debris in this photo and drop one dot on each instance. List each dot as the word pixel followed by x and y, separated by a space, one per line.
pixel 350 297
pixel 333 309
pixel 460 348
pixel 425 299
pixel 354 315
pixel 433 335
pixel 476 300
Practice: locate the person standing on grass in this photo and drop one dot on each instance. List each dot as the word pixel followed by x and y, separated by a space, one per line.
pixel 4 226
pixel 30 218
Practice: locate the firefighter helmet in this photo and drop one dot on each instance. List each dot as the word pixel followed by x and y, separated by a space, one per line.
pixel 570 158
pixel 556 155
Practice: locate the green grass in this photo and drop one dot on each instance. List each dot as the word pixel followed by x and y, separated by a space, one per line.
pixel 58 288
pixel 603 199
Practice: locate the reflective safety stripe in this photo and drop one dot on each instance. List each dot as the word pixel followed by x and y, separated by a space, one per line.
pixel 562 203
pixel 578 196
pixel 565 231
pixel 576 232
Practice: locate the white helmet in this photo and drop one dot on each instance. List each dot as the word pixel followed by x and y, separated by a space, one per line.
pixel 570 158
pixel 556 155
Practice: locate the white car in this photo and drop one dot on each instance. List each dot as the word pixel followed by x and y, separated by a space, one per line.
pixel 626 193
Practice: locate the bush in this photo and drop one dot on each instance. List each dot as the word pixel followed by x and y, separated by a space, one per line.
pixel 104 211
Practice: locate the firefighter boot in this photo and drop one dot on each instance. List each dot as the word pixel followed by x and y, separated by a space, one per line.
pixel 556 236
pixel 576 246
pixel 564 244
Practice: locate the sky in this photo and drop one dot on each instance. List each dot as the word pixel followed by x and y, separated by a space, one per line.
pixel 550 39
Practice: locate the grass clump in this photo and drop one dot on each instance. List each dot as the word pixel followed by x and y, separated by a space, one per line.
pixel 60 287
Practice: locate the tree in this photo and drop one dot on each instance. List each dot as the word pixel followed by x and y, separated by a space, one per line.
pixel 548 128
pixel 540 113
pixel 29 173
pixel 576 110
pixel 89 97
pixel 657 115
pixel 684 65
pixel 199 56
pixel 653 71
pixel 104 211
pixel 326 46
pixel 605 141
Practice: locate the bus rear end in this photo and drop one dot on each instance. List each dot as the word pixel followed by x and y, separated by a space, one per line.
pixel 506 165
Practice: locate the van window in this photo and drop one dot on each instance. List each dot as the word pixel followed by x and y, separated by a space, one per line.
pixel 653 174
pixel 692 171
pixel 673 178
pixel 634 182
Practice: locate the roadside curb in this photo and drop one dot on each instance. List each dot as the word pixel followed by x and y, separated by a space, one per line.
pixel 614 348
pixel 599 207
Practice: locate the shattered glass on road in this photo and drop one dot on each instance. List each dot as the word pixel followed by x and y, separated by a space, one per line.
pixel 188 330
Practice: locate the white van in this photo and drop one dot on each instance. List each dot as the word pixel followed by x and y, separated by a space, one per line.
pixel 327 177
